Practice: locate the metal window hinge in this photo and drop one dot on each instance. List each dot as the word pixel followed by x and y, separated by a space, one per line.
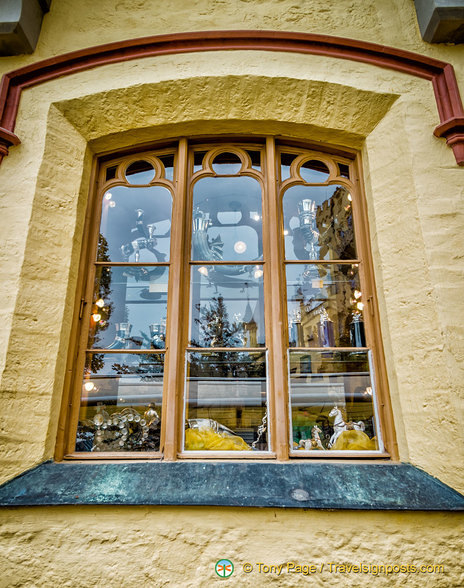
pixel 81 308
pixel 370 304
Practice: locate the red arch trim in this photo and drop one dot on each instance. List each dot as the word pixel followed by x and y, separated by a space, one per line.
pixel 441 74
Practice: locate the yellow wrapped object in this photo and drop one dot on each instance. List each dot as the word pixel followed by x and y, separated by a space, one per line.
pixel 354 441
pixel 207 439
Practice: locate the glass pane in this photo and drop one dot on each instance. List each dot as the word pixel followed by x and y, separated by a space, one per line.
pixel 314 172
pixel 111 172
pixel 226 402
pixel 255 157
pixel 168 162
pixel 227 223
pixel 135 225
pixel 286 160
pixel 227 163
pixel 121 403
pixel 198 157
pixel 129 307
pixel 227 306
pixel 324 306
pixel 318 223
pixel 140 172
pixel 332 407
pixel 344 170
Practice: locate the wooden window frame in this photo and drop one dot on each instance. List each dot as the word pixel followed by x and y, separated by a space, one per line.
pixel 178 298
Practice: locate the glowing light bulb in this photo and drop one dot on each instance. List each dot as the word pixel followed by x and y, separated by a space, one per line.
pixel 256 216
pixel 112 203
pixel 240 247
pixel 89 386
pixel 360 306
pixel 100 303
pixel 96 317
pixel 258 273
pixel 285 232
pixel 350 198
pixel 108 196
pixel 203 270
pixel 357 294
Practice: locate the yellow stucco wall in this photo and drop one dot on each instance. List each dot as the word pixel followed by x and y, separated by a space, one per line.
pixel 163 546
pixel 415 195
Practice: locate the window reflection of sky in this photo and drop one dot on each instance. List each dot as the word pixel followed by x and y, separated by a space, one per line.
pixel 144 177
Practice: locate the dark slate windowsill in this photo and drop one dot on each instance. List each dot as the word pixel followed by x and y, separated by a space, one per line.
pixel 352 486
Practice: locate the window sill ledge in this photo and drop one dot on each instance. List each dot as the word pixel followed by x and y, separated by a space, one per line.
pixel 310 485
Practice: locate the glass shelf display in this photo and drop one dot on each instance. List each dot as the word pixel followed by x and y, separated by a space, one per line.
pixel 332 401
pixel 226 401
pixel 121 402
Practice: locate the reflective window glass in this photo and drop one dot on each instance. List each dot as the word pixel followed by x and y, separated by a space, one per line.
pixel 226 402
pixel 332 401
pixel 325 306
pixel 129 307
pixel 314 172
pixel 121 402
pixel 318 223
pixel 227 306
pixel 135 225
pixel 140 172
pixel 227 219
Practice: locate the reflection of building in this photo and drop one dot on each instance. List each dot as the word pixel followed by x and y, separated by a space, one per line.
pixel 250 328
pixel 325 288
pixel 334 222
pixel 335 297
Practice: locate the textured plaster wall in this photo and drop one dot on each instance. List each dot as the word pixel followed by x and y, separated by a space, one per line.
pixel 140 546
pixel 414 192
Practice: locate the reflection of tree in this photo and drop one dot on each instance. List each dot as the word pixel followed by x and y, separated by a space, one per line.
pixel 217 331
pixel 227 364
pixel 148 366
pixel 102 291
pixel 215 327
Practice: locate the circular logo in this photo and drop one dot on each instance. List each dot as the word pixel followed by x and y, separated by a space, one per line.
pixel 224 568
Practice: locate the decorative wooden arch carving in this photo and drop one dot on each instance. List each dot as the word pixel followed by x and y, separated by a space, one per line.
pixel 441 74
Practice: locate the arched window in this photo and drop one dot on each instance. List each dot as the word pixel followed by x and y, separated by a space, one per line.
pixel 228 308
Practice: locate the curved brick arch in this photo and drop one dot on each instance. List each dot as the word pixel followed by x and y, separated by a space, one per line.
pixel 440 73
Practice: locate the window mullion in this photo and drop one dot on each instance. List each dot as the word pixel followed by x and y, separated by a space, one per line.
pixel 174 370
pixel 275 313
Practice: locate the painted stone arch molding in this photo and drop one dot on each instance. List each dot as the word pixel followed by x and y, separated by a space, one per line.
pixel 141 114
pixel 439 73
